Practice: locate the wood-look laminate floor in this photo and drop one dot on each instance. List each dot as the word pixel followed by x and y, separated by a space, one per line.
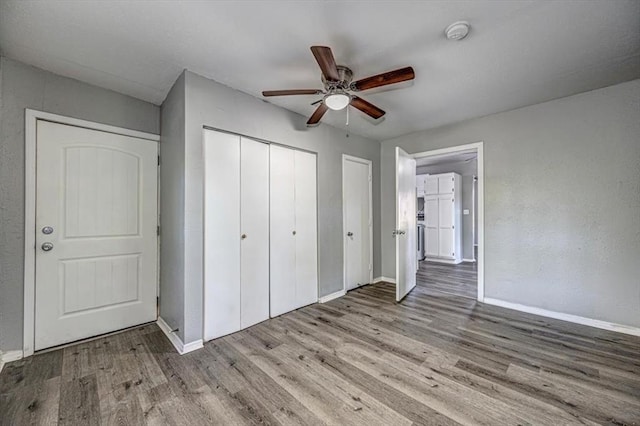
pixel 434 359
pixel 457 280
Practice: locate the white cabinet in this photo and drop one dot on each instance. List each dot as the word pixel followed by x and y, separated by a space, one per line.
pixel 293 226
pixel 420 185
pixel 443 219
pixel 236 228
pixel 431 185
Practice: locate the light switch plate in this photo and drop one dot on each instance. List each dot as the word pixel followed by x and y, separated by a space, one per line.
pixel 465 212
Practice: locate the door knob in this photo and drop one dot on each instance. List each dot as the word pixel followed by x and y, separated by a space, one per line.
pixel 243 236
pixel 47 230
pixel 349 234
pixel 294 232
pixel 47 246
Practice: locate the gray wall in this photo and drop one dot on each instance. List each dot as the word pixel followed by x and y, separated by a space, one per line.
pixel 562 196
pixel 21 87
pixel 172 206
pixel 213 104
pixel 466 169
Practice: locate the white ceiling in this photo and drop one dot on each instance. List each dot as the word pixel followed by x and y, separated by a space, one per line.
pixel 518 52
pixel 457 157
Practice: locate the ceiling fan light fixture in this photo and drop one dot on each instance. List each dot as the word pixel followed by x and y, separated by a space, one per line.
pixel 337 100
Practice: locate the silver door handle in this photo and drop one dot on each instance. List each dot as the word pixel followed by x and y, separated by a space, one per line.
pixel 349 234
pixel 47 246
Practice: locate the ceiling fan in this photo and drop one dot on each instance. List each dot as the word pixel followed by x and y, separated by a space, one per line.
pixel 337 81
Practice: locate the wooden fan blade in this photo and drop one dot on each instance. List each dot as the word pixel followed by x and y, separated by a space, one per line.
pixel 327 63
pixel 366 107
pixel 391 77
pixel 291 92
pixel 317 115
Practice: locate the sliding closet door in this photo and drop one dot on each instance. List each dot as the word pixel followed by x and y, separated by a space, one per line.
pixel 306 229
pixel 221 234
pixel 254 214
pixel 282 238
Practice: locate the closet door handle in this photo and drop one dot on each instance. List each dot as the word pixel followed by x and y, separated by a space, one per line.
pixel 349 234
pixel 244 236
pixel 294 232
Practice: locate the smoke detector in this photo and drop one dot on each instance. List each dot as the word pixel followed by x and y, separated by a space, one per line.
pixel 457 31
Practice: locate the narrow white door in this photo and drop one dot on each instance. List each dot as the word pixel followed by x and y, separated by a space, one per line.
pixel 221 234
pixel 357 219
pixel 96 242
pixel 406 231
pixel 431 225
pixel 446 223
pixel 306 229
pixel 282 226
pixel 254 223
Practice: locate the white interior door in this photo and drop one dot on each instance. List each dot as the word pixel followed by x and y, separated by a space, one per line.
pixel 282 226
pixel 446 231
pixel 306 229
pixel 254 223
pixel 96 271
pixel 357 215
pixel 221 234
pixel 405 233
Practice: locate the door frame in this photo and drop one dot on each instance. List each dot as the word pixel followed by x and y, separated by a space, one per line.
pixel 479 148
pixel 369 165
pixel 30 131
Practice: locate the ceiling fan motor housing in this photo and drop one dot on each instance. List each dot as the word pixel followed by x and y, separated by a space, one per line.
pixel 346 76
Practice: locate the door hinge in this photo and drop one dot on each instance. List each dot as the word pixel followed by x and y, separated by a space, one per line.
pixel 158 160
pixel 158 230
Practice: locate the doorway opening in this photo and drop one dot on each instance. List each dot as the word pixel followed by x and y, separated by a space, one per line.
pixel 450 220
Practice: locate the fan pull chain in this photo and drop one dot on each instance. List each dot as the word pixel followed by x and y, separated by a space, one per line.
pixel 347 115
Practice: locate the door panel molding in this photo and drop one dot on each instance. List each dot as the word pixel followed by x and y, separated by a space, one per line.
pixel 31 119
pixel 369 164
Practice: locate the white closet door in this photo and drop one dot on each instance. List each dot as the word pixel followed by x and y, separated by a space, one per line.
pixel 254 214
pixel 306 239
pixel 446 225
pixel 221 234
pixel 282 226
pixel 431 226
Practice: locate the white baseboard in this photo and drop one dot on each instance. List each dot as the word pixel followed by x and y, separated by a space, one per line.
pixel 565 317
pixel 9 356
pixel 447 261
pixel 385 279
pixel 469 260
pixel 328 297
pixel 177 343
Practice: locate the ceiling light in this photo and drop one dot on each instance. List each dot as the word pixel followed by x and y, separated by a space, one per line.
pixel 337 100
pixel 457 31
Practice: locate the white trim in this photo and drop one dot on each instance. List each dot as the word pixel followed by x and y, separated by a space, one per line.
pixel 328 297
pixel 30 123
pixel 439 260
pixel 175 340
pixel 385 279
pixel 469 260
pixel 10 356
pixel 369 164
pixel 626 329
pixel 479 148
